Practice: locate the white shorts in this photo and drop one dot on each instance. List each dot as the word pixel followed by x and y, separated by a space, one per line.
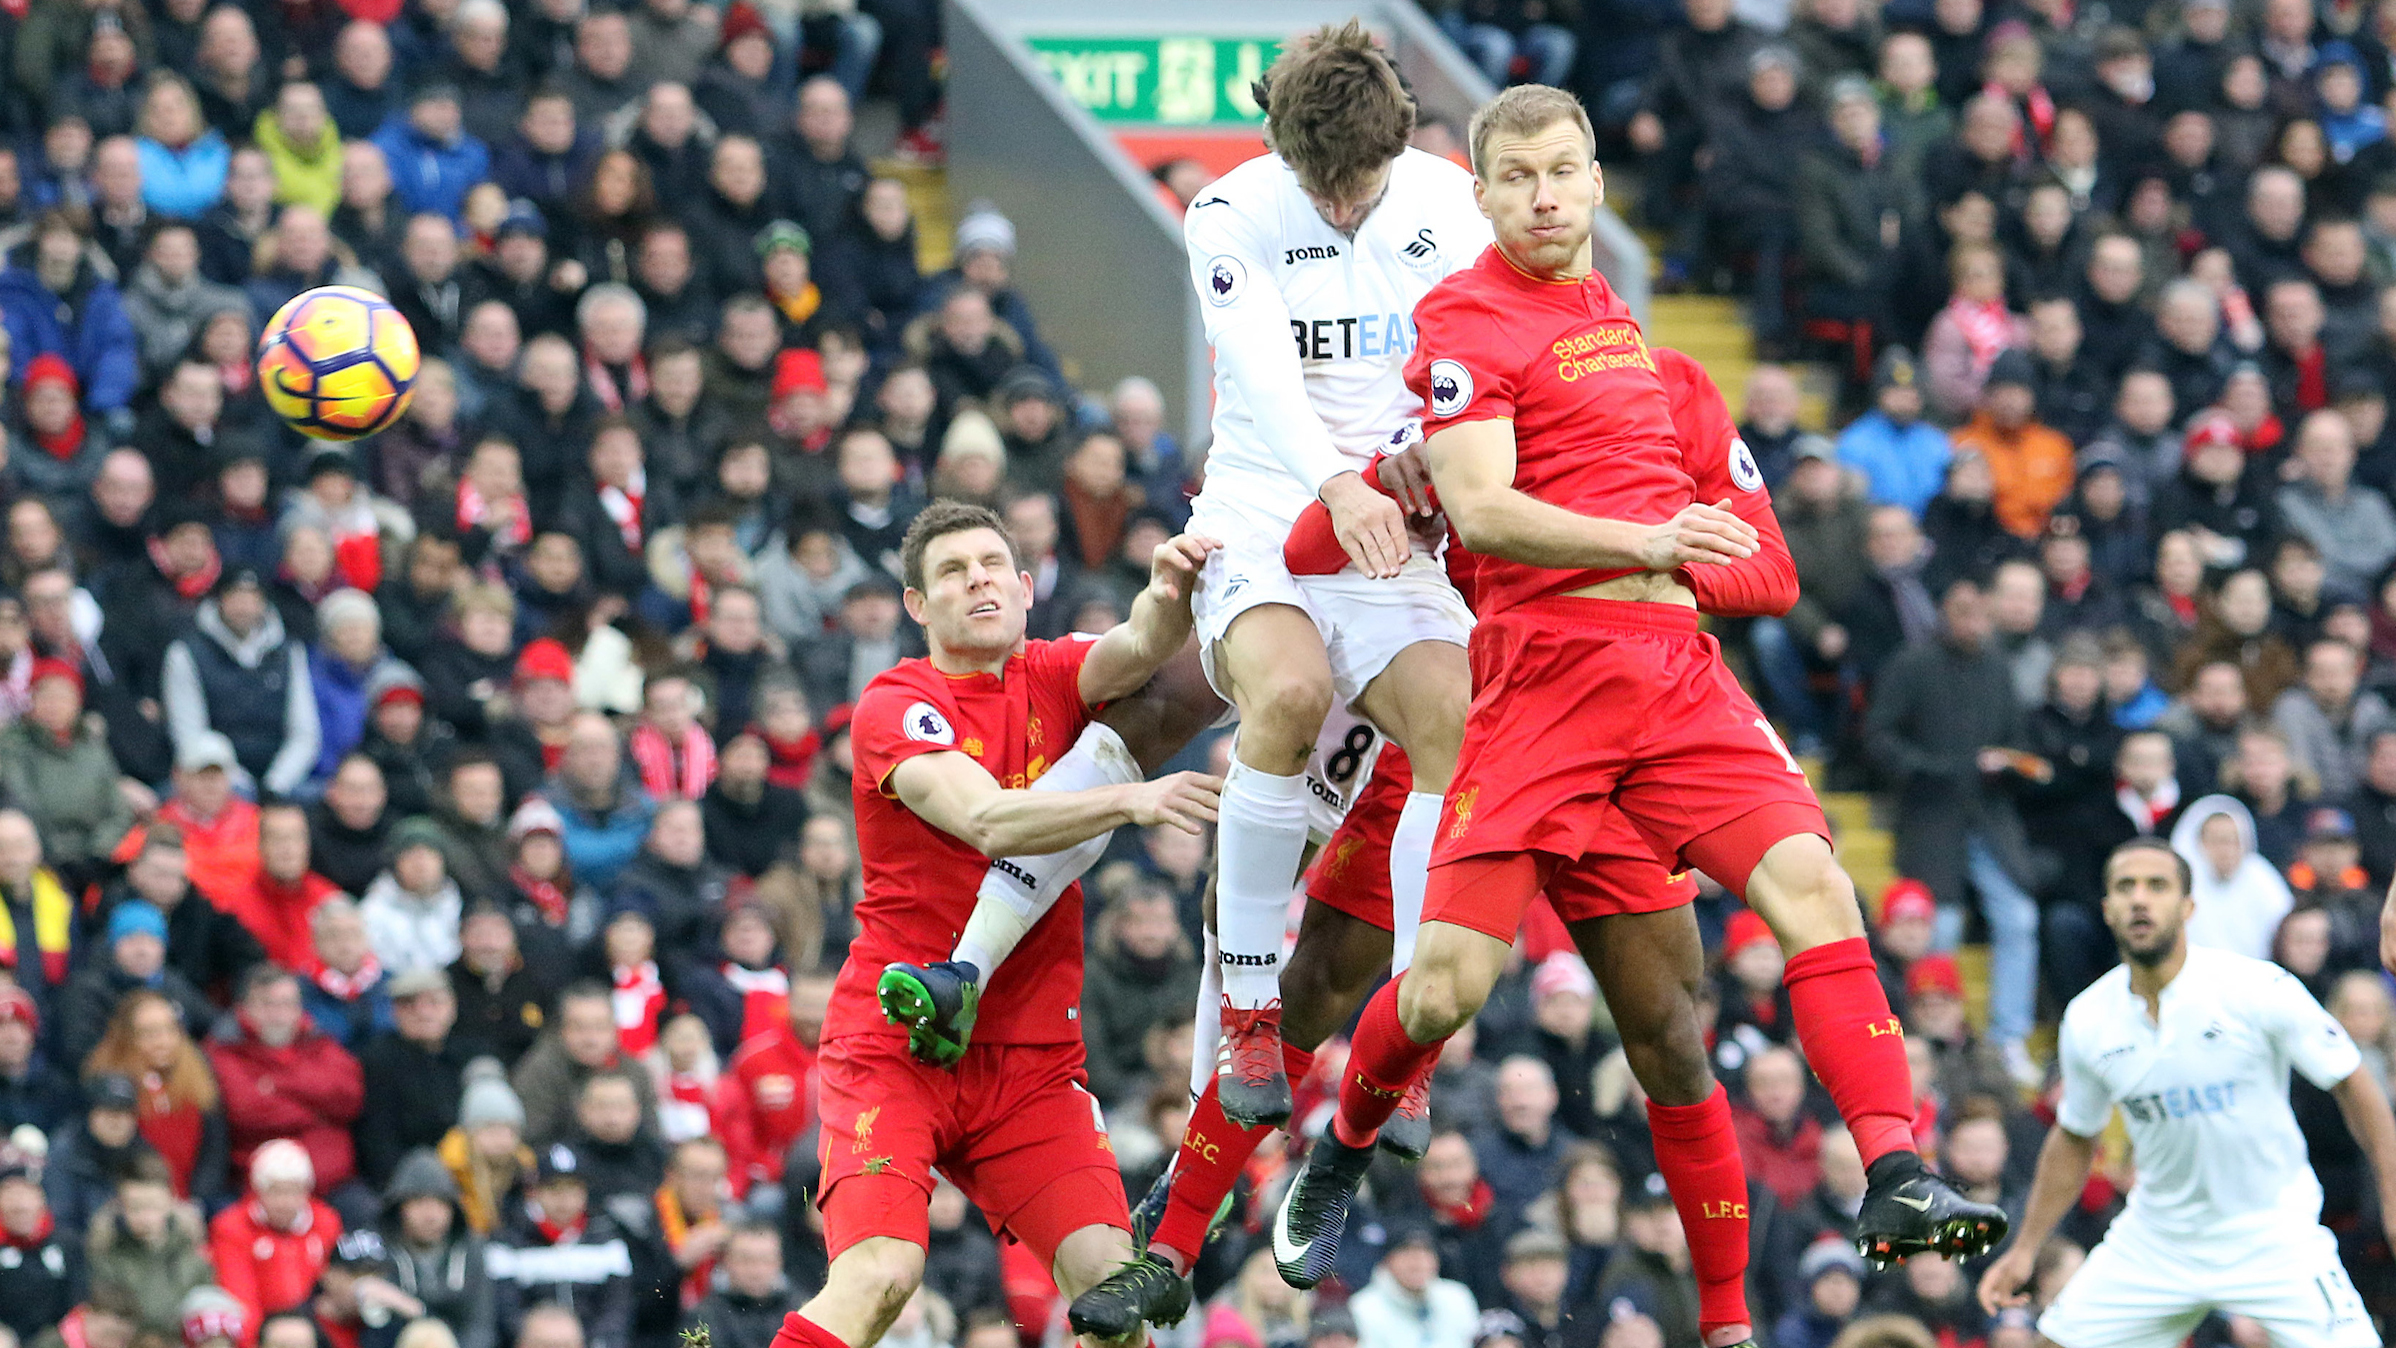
pixel 1364 622
pixel 2140 1290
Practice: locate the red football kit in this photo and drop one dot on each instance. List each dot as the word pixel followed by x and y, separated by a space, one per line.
pixel 1012 1125
pixel 1660 731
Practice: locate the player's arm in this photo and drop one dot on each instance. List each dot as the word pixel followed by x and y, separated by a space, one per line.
pixel 1248 323
pixel 2373 1123
pixel 958 796
pixel 1763 585
pixel 1122 661
pixel 1472 468
pixel 2082 1109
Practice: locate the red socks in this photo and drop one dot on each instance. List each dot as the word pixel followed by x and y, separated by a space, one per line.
pixel 1382 1063
pixel 1853 1043
pixel 1213 1150
pixel 1698 1155
pixel 800 1332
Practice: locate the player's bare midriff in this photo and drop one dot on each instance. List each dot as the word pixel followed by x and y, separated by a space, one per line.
pixel 1640 587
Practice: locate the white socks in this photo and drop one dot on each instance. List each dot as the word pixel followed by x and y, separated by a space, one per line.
pixel 1018 891
pixel 1410 873
pixel 1206 1034
pixel 1260 841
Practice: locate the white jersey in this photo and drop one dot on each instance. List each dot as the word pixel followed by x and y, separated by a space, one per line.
pixel 1272 277
pixel 2204 1092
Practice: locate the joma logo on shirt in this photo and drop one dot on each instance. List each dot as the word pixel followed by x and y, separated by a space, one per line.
pixel 1311 253
pixel 1615 346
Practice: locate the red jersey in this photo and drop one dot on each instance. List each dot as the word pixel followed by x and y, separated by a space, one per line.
pixel 1566 362
pixel 764 1100
pixel 920 882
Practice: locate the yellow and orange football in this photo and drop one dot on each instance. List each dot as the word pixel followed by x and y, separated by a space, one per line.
pixel 338 363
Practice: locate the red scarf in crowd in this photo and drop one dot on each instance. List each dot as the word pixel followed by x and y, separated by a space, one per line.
pixel 31 1240
pixel 473 510
pixel 640 998
pixel 1987 327
pixel 546 895
pixel 614 396
pixel 671 771
pixel 559 1235
pixel 701 589
pixel 1468 1215
pixel 685 1108
pixel 764 997
pixel 194 587
pixel 790 762
pixel 623 506
pixel 348 987
pixel 67 442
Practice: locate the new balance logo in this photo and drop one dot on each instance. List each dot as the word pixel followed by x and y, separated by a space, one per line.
pixel 1250 961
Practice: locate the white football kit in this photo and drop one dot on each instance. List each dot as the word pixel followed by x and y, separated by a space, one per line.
pixel 1275 282
pixel 2226 1211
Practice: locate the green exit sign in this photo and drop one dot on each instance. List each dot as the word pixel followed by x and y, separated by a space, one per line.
pixel 1160 81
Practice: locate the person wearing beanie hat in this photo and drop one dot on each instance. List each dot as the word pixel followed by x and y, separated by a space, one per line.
pixel 1830 1281
pixel 412 908
pixel 485 1154
pixel 240 674
pixel 32 1091
pixel 36 1278
pixel 56 766
pixel 434 1254
pixel 403 741
pixel 2033 463
pixel 1903 458
pixel 133 948
pixel 985 262
pixel 61 454
pixel 270 1246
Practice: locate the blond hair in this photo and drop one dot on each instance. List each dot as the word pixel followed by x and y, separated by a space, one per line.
pixel 1522 110
pixel 1335 109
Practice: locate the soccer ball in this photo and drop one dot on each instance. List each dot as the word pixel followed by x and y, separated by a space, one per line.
pixel 337 363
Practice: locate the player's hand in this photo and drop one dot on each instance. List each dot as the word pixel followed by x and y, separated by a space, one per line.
pixel 1368 525
pixel 1701 534
pixel 1185 800
pixel 2006 1281
pixel 1407 476
pixel 1173 570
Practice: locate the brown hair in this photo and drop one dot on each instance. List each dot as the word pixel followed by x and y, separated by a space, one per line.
pixel 1335 109
pixel 938 520
pixel 1521 110
pixel 189 1083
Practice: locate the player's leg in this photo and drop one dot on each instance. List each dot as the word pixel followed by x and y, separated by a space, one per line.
pixel 1272 665
pixel 1093 1253
pixel 1420 701
pixel 882 1117
pixel 2131 1293
pixel 1649 965
pixel 2295 1287
pixel 1457 961
pixel 1132 738
pixel 864 1290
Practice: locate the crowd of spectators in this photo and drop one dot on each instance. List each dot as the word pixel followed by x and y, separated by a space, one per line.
pixel 423 862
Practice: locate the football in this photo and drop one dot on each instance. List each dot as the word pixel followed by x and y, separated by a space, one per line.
pixel 337 363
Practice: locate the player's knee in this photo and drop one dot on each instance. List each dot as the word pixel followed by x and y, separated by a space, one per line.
pixel 1668 1056
pixel 1284 707
pixel 1806 895
pixel 1435 1003
pixel 885 1272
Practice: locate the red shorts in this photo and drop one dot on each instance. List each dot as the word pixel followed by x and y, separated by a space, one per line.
pixel 1011 1126
pixel 1617 873
pixel 1595 722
